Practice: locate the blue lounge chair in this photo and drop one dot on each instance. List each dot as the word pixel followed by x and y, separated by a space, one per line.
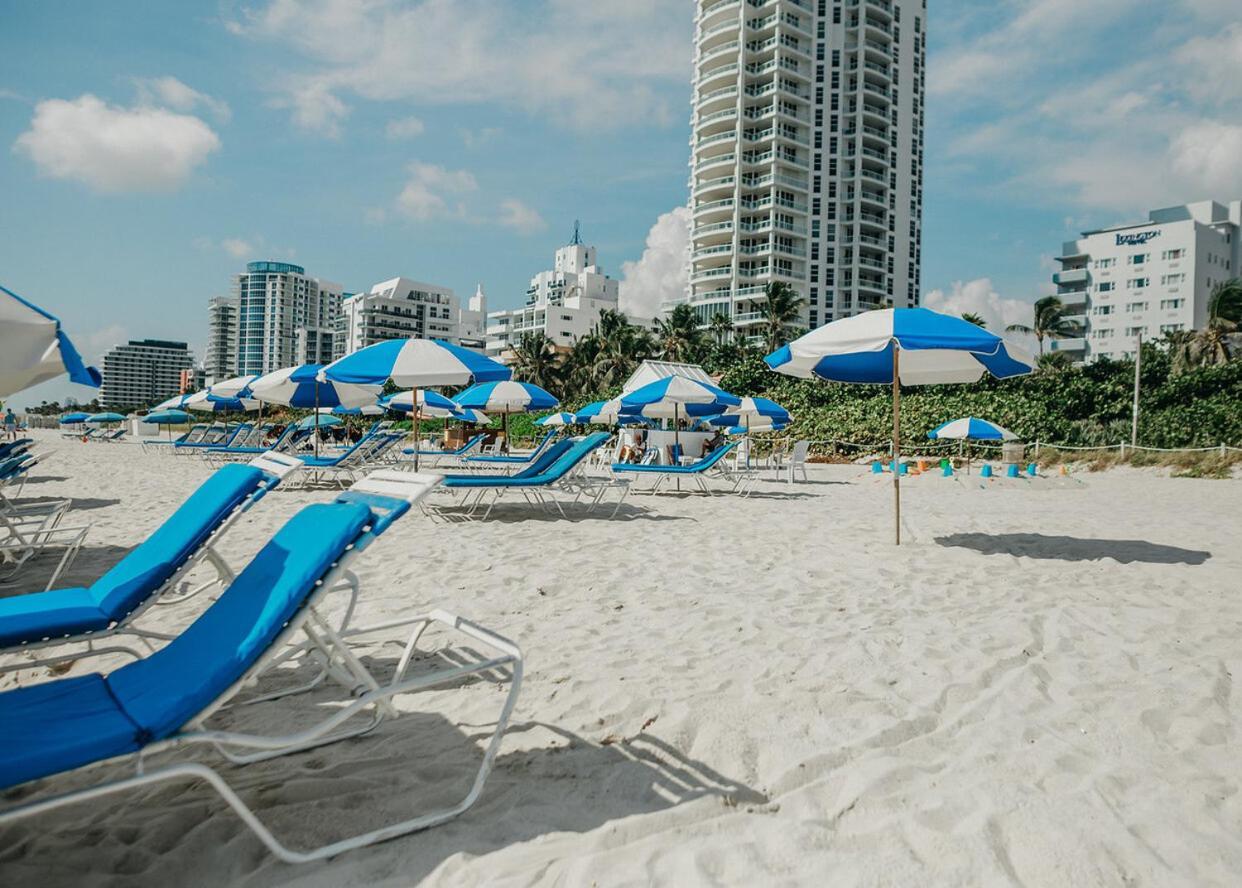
pixel 29 529
pixel 501 461
pixel 108 606
pixel 436 455
pixel 15 448
pixel 556 470
pixel 164 702
pixel 696 471
pixel 219 454
pixel 194 433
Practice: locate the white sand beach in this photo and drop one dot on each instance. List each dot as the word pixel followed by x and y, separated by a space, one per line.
pixel 1038 689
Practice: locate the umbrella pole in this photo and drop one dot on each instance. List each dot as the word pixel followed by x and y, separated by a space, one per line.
pixel 676 443
pixel 896 444
pixel 414 425
pixel 316 421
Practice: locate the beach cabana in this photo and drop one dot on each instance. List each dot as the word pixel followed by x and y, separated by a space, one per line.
pixel 34 349
pixel 900 346
pixel 416 364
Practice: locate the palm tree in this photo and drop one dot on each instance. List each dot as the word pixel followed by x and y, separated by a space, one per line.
pixel 782 307
pixel 721 327
pixel 534 359
pixel 604 358
pixel 971 318
pixel 1213 344
pixel 1049 322
pixel 679 335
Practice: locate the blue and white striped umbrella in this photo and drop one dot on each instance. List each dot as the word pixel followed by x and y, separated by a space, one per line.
pixel 555 419
pixel 930 348
pixel 304 387
pixel 430 404
pixel 678 396
pixel 900 346
pixel 507 396
pixel 606 413
pixel 759 411
pixel 415 363
pixel 970 428
pixel 474 417
pixel 234 387
pixel 206 402
pixel 739 425
pixel 176 402
pixel 34 349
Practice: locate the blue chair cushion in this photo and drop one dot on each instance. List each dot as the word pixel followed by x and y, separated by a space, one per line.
pixel 140 573
pixel 61 725
pixel 25 619
pixel 164 691
pixel 554 467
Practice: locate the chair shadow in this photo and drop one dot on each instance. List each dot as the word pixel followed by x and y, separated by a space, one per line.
pixel 90 564
pixel 1064 548
pixel 40 479
pixel 518 512
pixel 560 782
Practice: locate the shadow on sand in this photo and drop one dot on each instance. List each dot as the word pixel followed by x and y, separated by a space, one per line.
pixel 90 564
pixel 1064 548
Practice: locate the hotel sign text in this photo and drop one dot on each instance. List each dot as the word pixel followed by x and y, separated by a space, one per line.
pixel 1136 240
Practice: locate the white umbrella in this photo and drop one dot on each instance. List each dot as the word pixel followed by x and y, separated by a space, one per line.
pixel 34 349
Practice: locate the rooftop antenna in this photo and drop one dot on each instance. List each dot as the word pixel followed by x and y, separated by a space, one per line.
pixel 577 241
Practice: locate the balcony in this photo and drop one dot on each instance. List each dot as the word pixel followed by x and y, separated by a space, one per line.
pixel 1071 276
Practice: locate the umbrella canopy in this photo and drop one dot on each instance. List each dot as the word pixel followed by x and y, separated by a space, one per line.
pixel 935 348
pixel 206 402
pixel 323 421
pixel 475 417
pixel 758 411
pixel 762 427
pixel 970 428
pixel 893 346
pixel 555 419
pixel 507 397
pixel 677 396
pixel 176 402
pixel 740 426
pixel 104 417
pixel 305 387
pixel 431 404
pixel 236 387
pixel 605 413
pixel 74 418
pixel 416 363
pixel 364 410
pixel 167 417
pixel 34 349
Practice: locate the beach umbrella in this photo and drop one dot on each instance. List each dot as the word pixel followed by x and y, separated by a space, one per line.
pixel 505 397
pixel 319 421
pixel 740 425
pixel 365 410
pixel 757 411
pixel 970 428
pixel 555 419
pixel 234 387
pixel 676 396
pixel 176 402
pixel 430 404
pixel 474 417
pixel 304 386
pixel 34 349
pixel 97 418
pixel 417 364
pixel 167 418
pixel 896 346
pixel 602 413
pixel 205 402
pixel 73 418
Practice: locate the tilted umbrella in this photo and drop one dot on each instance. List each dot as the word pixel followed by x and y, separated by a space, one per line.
pixel 417 364
pixel 34 349
pixel 896 346
pixel 507 397
pixel 305 388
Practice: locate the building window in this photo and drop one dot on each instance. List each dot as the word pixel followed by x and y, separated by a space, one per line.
pixel 1105 287
pixel 1137 283
pixel 1138 258
pixel 1172 254
pixel 1172 279
pixel 1171 304
pixel 1102 310
pixel 1105 263
pixel 1171 328
pixel 1136 306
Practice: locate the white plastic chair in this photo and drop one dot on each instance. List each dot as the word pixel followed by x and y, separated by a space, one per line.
pixel 797 461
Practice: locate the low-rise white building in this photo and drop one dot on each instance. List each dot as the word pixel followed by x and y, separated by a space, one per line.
pixel 402 308
pixel 1152 278
pixel 563 303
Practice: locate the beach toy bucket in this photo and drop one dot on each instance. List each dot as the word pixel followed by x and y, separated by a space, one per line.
pixel 944 463
pixel 903 468
pixel 946 468
pixel 876 467
pixel 1064 471
pixel 1032 470
pixel 986 471
pixel 922 465
pixel 1011 471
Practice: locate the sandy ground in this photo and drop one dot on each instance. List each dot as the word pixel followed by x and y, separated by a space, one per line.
pixel 1038 689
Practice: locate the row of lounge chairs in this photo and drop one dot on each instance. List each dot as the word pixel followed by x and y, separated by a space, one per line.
pixel 28 529
pixel 108 436
pixel 269 614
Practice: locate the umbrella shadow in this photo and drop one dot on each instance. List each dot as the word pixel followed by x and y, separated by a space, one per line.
pixel 76 503
pixel 1065 548
pixel 516 513
pixel 41 479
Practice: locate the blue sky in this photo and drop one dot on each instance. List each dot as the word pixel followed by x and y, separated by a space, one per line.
pixel 153 147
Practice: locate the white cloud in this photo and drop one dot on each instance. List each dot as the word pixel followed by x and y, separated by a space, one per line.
pixel 431 191
pixel 315 109
pixel 661 274
pixel 521 218
pixel 112 148
pixel 583 65
pixel 170 92
pixel 980 297
pixel 480 137
pixel 237 248
pixel 404 128
pixel 1208 155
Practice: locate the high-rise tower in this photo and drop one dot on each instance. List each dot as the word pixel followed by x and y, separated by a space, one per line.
pixel 806 155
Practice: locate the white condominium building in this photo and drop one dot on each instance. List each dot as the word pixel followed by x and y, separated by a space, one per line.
pixel 142 373
pixel 806 155
pixel 563 303
pixel 1151 278
pixel 220 362
pixel 407 309
pixel 284 317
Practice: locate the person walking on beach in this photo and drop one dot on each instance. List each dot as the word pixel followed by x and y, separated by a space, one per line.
pixel 10 424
